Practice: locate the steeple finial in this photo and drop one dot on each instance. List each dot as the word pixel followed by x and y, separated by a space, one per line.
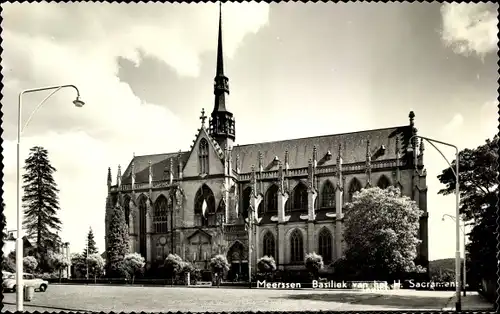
pixel 220 60
pixel 203 117
pixel 109 176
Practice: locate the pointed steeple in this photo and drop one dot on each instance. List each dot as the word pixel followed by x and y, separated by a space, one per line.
pixel 220 54
pixel 222 126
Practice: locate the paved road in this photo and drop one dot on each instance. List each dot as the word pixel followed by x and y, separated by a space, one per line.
pixel 164 299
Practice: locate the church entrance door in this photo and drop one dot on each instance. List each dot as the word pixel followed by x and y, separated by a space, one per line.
pixel 237 258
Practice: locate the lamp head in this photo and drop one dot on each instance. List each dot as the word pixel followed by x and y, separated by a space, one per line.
pixel 78 102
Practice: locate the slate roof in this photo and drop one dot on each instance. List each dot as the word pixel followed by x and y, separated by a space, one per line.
pixel 301 150
pixel 160 164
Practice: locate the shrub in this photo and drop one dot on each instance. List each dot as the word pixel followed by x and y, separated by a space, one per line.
pixel 266 265
pixel 314 263
pixel 219 265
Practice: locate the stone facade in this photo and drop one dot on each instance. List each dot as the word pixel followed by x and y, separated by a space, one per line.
pixel 199 203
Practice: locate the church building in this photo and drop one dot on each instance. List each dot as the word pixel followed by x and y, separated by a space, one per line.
pixel 283 199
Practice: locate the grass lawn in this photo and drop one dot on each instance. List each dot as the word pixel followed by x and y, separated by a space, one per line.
pixel 164 299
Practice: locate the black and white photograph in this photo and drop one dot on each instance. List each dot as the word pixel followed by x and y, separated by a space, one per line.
pixel 243 157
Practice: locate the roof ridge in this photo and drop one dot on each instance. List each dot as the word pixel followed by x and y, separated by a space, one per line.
pixel 172 153
pixel 319 136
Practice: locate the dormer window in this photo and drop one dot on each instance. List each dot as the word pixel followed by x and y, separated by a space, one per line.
pixel 203 156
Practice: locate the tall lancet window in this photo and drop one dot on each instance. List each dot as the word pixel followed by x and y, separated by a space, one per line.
pixel 203 155
pixel 328 195
pixel 160 218
pixel 268 244
pixel 300 197
pixel 296 247
pixel 383 182
pixel 354 187
pixel 325 245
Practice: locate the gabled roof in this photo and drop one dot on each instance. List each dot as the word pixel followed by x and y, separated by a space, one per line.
pixel 301 150
pixel 199 231
pixel 214 144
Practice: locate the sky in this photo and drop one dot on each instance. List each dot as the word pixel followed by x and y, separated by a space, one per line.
pixel 145 72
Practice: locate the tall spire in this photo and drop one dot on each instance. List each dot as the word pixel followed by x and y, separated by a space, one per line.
pixel 220 55
pixel 222 124
pixel 221 86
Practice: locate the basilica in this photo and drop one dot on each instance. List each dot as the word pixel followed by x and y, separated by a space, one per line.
pixel 282 199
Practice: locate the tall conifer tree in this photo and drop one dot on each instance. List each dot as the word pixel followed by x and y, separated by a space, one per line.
pixel 41 203
pixel 91 245
pixel 117 240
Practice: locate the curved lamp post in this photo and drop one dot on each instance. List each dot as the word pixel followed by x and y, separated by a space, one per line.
pixel 458 304
pixel 464 271
pixel 19 243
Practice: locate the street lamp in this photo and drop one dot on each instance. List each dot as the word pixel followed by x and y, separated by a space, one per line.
pixel 464 283
pixel 458 304
pixel 10 235
pixel 19 243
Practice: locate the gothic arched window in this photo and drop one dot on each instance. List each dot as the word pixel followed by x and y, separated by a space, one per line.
pixel 325 245
pixel 272 199
pixel 296 247
pixel 206 195
pixel 143 207
pixel 126 208
pixel 246 201
pixel 203 156
pixel 268 244
pixel 300 197
pixel 288 206
pixel 354 187
pixel 160 217
pixel 260 210
pixel 383 182
pixel 328 195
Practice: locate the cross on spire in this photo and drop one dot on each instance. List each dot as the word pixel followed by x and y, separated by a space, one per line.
pixel 203 117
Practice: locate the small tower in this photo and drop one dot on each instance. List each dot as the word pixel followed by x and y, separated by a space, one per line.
pixel 421 153
pixel 222 124
pixel 109 179
pixel 119 176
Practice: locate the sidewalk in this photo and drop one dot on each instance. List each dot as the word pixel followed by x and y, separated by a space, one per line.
pixel 472 302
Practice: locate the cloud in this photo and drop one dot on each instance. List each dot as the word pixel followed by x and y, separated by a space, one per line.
pixel 50 44
pixel 453 125
pixel 470 28
pixel 489 118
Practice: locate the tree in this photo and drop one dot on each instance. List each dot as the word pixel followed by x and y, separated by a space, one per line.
pixel 478 198
pixel 59 262
pixel 118 241
pixel 313 263
pixel 219 265
pixel 173 265
pixel 381 234
pixel 133 264
pixel 3 223
pixel 266 265
pixel 188 268
pixel 79 264
pixel 8 264
pixel 41 203
pixel 95 265
pixel 91 247
pixel 30 263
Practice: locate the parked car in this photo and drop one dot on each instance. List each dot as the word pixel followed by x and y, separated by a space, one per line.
pixel 9 283
pixel 5 274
